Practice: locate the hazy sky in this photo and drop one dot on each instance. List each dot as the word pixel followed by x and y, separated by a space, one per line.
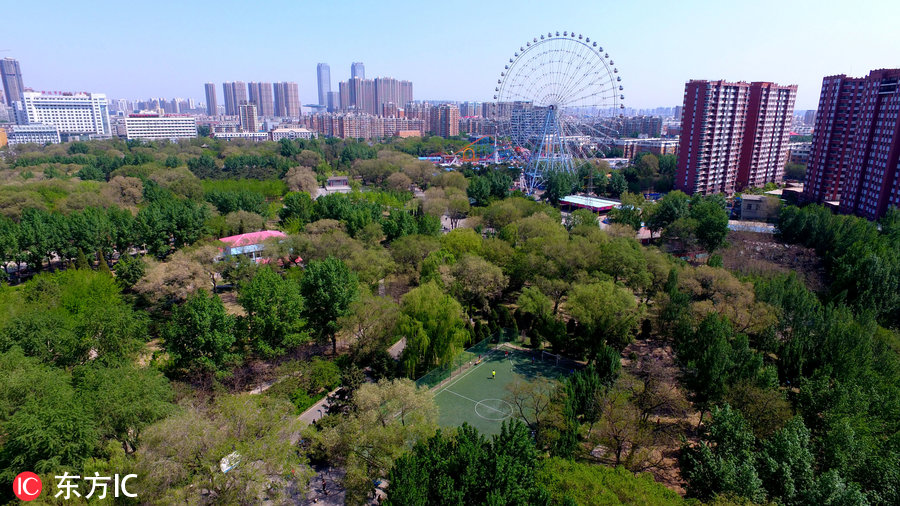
pixel 450 50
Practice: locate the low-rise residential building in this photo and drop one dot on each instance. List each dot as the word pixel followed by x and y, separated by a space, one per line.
pixel 632 147
pixel 759 207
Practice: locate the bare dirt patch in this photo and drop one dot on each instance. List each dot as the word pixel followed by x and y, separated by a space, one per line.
pixel 752 253
pixel 229 300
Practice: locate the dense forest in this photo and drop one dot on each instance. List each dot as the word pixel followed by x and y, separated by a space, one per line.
pixel 129 344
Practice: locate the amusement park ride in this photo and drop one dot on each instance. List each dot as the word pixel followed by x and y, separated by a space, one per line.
pixel 560 106
pixel 479 152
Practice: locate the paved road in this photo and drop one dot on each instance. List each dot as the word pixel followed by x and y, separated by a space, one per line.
pixel 317 410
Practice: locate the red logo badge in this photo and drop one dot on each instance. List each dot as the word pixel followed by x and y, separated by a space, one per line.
pixel 27 486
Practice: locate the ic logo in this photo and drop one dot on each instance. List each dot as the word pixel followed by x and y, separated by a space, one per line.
pixel 27 486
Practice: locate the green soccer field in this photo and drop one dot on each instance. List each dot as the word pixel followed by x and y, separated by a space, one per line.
pixel 479 399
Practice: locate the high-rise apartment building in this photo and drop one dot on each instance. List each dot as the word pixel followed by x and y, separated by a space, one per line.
pixel 334 101
pixel 11 78
pixel 249 118
pixel 448 121
pixel 764 153
pixel 228 97
pixel 323 78
pixel 235 94
pixel 240 95
pixel 809 117
pixel 287 100
pixel 358 70
pixel 387 91
pixel 343 96
pixel 855 155
pixel 261 94
pixel 212 105
pixel 733 135
pixel 71 113
pixel 406 93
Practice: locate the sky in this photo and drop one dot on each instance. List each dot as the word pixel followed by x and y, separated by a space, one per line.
pixel 449 50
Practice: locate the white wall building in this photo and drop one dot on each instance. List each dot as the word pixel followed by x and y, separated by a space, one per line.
pixel 71 113
pixel 36 133
pixel 292 133
pixel 154 126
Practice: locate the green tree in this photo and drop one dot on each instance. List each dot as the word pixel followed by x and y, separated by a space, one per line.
pixel 386 419
pixel 124 399
pixel 723 461
pixel 477 282
pixel 466 468
pixel 617 184
pixel 559 184
pixel 609 314
pixel 274 308
pixel 71 317
pixel 627 213
pixel 672 207
pixel 432 323
pixel 200 335
pixel 712 221
pixel 298 207
pixel 479 190
pixel 329 288
pixel 180 457
pixel 45 426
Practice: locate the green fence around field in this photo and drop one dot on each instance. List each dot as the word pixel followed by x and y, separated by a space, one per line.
pixel 466 358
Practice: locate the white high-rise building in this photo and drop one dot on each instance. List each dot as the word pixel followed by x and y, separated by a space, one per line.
pixel 71 113
pixel 154 126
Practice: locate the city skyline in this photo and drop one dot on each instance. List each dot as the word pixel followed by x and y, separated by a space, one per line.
pixel 791 48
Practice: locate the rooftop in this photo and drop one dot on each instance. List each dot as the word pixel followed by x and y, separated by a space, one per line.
pixel 251 238
pixel 595 203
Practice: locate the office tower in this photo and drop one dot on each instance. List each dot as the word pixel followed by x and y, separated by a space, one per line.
pixel 154 126
pixel 11 77
pixel 260 94
pixel 730 140
pixel 249 119
pixel 323 77
pixel 856 144
pixel 71 113
pixel 764 153
pixel 287 100
pixel 358 70
pixel 212 104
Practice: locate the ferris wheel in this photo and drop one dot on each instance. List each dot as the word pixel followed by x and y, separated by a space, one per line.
pixel 559 99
